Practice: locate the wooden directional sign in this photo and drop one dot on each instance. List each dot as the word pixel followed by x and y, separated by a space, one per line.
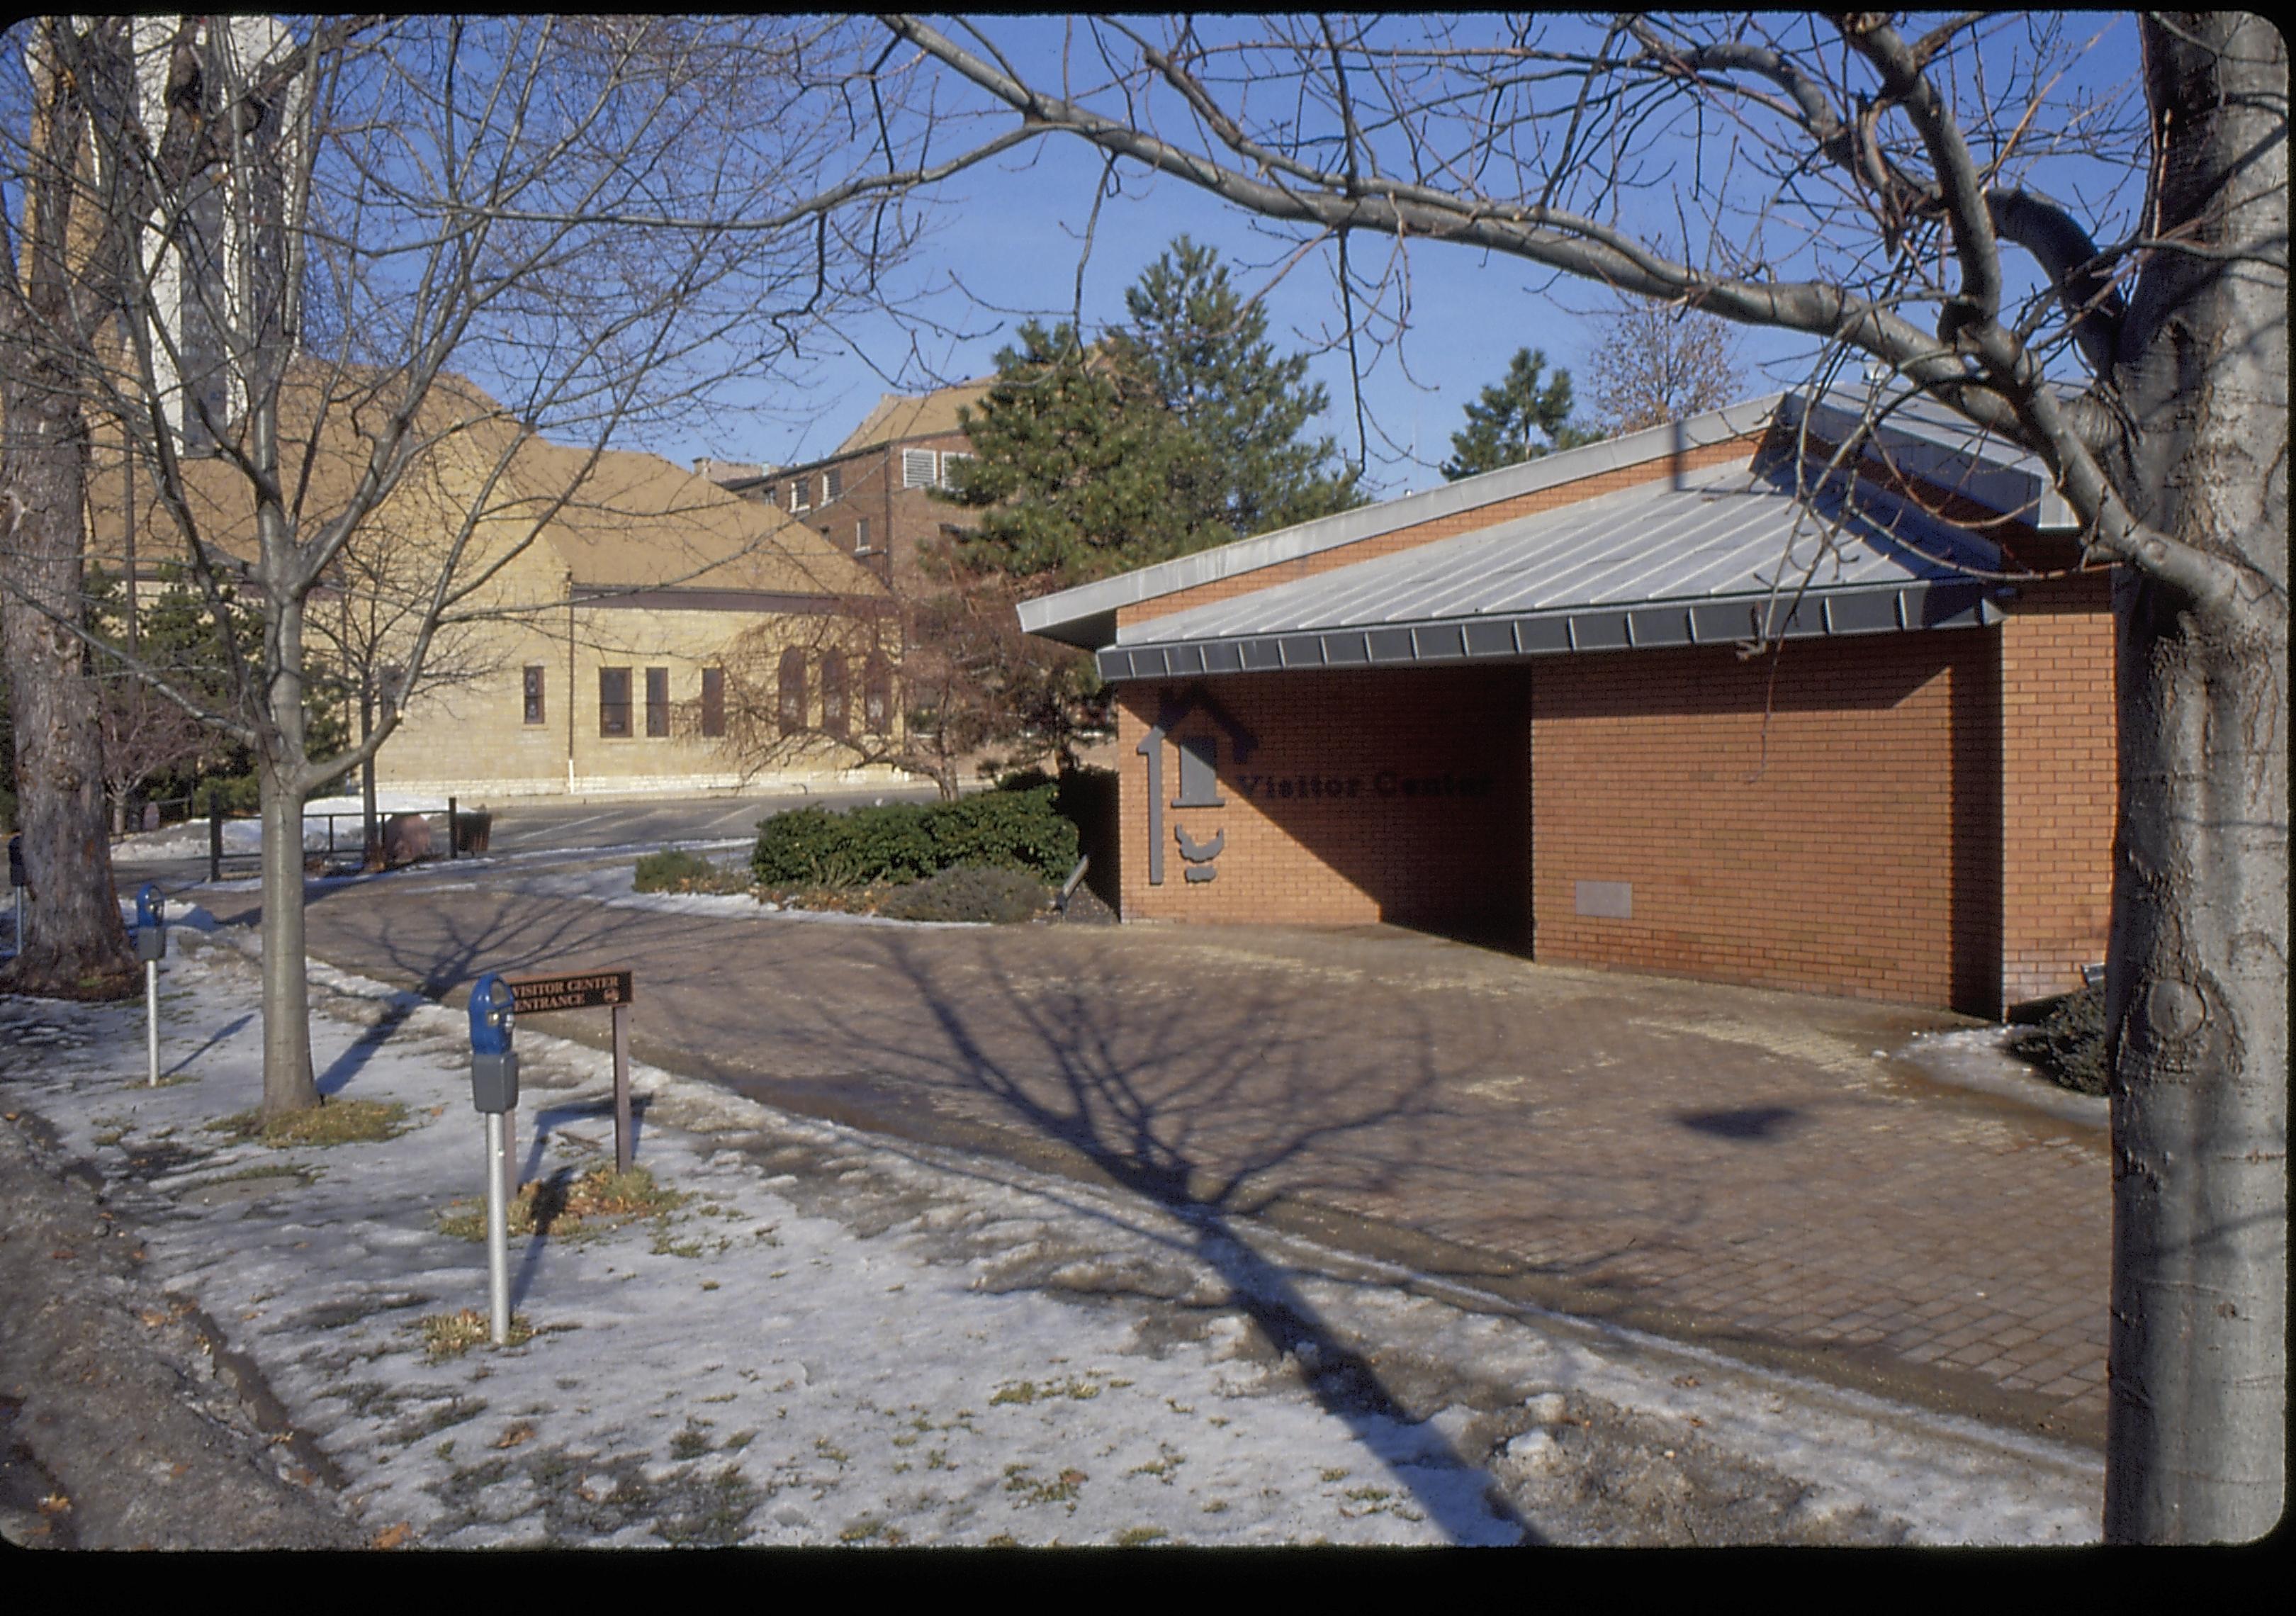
pixel 578 990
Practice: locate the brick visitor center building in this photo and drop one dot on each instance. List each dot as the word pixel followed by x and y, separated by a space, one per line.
pixel 1526 708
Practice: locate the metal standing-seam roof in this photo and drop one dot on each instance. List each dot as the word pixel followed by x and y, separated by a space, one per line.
pixel 1715 557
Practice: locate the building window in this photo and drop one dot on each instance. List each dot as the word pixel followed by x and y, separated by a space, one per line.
pixel 713 702
pixel 800 493
pixel 877 696
pixel 793 691
pixel 832 693
pixel 917 468
pixel 833 484
pixel 613 701
pixel 949 465
pixel 658 702
pixel 861 536
pixel 534 695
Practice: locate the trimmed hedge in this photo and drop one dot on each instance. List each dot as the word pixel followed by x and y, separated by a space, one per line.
pixel 1000 896
pixel 904 841
pixel 672 870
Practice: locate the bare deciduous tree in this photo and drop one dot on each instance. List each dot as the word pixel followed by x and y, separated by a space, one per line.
pixel 1656 364
pixel 75 945
pixel 258 258
pixel 1880 194
pixel 926 686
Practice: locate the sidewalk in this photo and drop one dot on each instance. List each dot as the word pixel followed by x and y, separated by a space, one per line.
pixel 836 1339
pixel 1772 1174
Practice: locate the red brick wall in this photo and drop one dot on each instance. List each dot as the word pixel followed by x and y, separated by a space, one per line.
pixel 2058 774
pixel 1858 851
pixel 1428 532
pixel 1393 795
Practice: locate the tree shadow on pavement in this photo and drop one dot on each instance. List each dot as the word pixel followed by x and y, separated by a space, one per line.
pixel 1131 1094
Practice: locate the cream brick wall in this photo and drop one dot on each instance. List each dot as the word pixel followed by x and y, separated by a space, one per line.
pixel 470 737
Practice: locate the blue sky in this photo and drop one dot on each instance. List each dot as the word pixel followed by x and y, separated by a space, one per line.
pixel 1005 243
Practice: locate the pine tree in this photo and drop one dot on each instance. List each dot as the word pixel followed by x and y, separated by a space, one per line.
pixel 1074 465
pixel 1202 354
pixel 1520 419
pixel 1177 431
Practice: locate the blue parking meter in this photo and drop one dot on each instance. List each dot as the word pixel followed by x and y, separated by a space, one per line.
pixel 494 1063
pixel 151 923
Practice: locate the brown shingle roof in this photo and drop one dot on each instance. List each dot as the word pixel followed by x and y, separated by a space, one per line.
pixel 901 415
pixel 622 519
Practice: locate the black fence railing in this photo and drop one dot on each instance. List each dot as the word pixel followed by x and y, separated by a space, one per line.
pixel 465 835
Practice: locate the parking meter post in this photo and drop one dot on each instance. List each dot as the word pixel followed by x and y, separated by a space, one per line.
pixel 494 1092
pixel 621 1013
pixel 497 1235
pixel 151 947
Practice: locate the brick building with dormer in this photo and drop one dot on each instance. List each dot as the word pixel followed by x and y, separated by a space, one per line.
pixel 872 496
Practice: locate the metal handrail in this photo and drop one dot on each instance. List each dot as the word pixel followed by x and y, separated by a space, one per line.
pixel 217 855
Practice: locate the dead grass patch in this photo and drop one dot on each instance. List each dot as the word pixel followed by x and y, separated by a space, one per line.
pixel 568 1206
pixel 330 1122
pixel 451 1334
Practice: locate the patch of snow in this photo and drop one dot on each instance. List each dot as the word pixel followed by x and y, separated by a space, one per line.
pixel 747 1370
pixel 610 885
pixel 1977 1058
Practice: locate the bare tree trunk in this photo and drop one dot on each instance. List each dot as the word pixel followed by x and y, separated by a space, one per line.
pixel 288 1082
pixel 2196 1441
pixel 289 1085
pixel 74 945
pixel 371 830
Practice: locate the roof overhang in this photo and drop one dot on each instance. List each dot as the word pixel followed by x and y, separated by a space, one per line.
pixel 1886 609
pixel 1927 440
pixel 1086 615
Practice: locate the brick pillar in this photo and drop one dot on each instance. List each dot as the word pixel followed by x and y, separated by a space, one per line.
pixel 2058 784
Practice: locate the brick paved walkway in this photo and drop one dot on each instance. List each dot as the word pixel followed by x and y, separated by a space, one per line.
pixel 1713 1163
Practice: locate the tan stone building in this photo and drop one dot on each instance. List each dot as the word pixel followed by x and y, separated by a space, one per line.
pixel 610 614
pixel 872 497
pixel 1518 707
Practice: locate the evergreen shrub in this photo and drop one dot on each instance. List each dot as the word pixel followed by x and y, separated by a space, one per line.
pixel 672 870
pixel 970 891
pixel 905 841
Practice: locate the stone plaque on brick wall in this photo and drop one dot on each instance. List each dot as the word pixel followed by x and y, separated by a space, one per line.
pixel 1607 899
